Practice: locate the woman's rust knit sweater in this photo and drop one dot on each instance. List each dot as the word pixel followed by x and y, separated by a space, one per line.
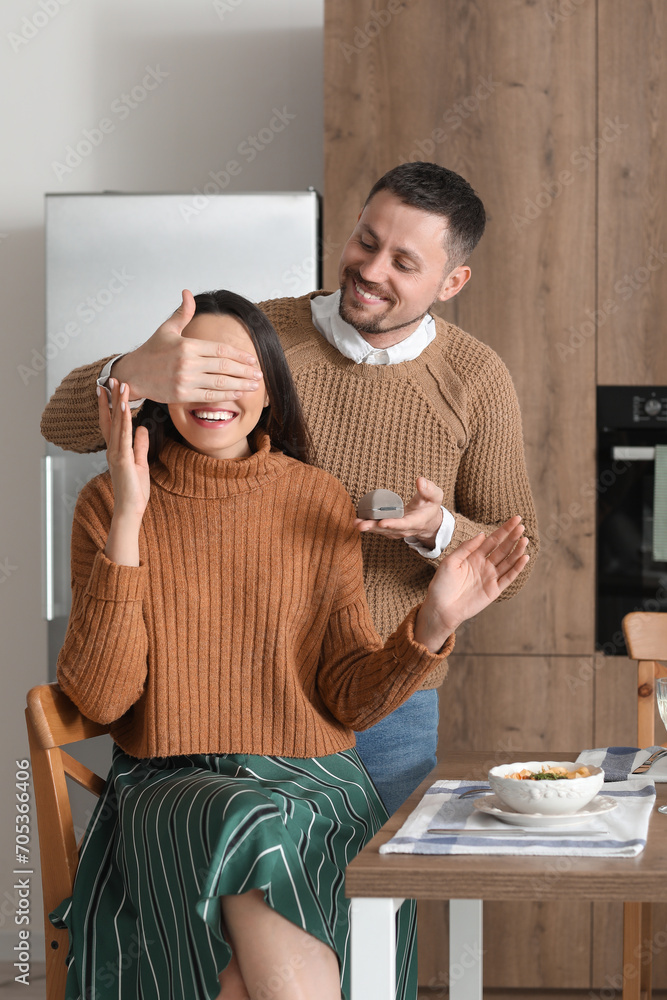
pixel 245 629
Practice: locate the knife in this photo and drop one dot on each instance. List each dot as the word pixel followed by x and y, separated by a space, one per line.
pixel 517 831
pixel 649 761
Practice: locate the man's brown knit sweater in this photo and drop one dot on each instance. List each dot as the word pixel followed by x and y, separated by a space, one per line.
pixel 245 629
pixel 451 415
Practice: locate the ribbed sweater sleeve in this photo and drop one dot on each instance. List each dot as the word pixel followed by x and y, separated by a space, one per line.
pixel 359 679
pixel 492 483
pixel 70 419
pixel 102 665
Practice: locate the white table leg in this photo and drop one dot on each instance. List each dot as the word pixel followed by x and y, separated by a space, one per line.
pixel 465 949
pixel 373 948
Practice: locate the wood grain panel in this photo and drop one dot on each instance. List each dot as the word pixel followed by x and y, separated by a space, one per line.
pixel 632 170
pixel 505 965
pixel 504 94
pixel 615 701
pixel 527 290
pixel 503 705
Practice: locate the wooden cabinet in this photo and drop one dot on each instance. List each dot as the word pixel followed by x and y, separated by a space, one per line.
pixel 632 233
pixel 554 111
pixel 488 89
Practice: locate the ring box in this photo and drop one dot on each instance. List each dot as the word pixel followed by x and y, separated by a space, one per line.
pixel 379 504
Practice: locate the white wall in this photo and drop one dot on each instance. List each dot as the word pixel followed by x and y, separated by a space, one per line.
pixel 218 69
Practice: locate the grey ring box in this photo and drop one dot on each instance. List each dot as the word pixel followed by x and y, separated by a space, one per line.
pixel 379 504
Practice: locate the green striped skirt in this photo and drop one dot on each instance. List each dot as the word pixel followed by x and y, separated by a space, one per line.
pixel 170 836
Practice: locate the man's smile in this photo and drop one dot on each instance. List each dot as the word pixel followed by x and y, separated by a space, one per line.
pixel 362 293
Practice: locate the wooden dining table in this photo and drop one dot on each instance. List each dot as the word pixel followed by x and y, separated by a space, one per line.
pixel 377 884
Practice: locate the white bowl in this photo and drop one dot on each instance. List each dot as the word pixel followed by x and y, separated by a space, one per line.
pixel 547 797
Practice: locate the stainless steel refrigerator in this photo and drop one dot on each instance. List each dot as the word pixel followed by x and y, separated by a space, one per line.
pixel 115 267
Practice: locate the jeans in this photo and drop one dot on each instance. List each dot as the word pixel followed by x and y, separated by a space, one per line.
pixel 399 751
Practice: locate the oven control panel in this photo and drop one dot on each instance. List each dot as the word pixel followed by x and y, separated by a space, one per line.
pixel 632 406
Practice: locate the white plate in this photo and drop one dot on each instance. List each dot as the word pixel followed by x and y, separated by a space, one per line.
pixel 494 806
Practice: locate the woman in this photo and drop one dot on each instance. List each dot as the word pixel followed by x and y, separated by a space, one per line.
pixel 219 624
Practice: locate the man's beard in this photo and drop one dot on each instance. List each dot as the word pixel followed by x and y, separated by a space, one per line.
pixel 352 317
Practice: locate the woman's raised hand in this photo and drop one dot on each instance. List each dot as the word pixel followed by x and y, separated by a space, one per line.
pixel 128 463
pixel 469 579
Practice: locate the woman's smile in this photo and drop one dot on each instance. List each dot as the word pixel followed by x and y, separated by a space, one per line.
pixel 212 417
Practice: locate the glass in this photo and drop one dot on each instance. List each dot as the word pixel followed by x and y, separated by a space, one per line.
pixel 661 694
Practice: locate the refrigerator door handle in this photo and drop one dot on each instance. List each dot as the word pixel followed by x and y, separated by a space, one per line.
pixel 48 554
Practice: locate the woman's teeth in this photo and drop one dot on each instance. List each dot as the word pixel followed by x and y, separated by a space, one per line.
pixel 213 415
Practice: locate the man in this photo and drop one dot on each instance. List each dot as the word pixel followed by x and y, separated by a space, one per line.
pixel 394 398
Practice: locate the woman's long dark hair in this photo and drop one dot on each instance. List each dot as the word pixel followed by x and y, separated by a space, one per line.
pixel 282 419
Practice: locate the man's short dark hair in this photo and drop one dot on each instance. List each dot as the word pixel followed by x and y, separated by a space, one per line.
pixel 441 192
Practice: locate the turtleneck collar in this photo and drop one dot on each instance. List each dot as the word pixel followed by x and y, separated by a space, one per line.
pixel 182 470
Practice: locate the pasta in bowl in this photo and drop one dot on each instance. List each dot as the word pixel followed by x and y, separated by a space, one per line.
pixel 549 788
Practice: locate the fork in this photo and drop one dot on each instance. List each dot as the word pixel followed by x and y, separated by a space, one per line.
pixel 650 760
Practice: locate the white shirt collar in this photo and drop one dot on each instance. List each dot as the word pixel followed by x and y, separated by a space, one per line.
pixel 350 343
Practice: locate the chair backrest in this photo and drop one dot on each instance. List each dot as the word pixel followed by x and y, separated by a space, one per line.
pixel 646 638
pixel 53 721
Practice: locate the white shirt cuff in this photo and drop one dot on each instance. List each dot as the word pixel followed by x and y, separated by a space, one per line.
pixel 442 539
pixel 104 378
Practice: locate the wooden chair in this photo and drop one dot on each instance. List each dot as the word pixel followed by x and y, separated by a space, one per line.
pixel 646 638
pixel 53 721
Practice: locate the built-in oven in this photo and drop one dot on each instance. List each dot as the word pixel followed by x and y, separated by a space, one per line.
pixel 631 508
